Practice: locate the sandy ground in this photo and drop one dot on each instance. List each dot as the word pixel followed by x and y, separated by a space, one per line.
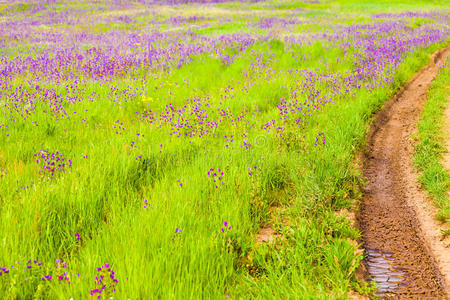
pixel 402 239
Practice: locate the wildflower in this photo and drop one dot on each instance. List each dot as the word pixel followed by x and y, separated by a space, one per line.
pixel 216 176
pixel 52 163
pixel 320 134
pixel 226 227
pixel 106 280
pixel 177 233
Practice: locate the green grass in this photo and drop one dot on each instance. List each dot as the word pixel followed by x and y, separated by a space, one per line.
pixel 434 177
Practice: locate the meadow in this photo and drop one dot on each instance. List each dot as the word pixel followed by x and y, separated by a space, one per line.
pixel 145 144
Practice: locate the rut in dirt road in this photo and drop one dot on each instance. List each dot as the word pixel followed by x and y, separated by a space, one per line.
pixel 398 253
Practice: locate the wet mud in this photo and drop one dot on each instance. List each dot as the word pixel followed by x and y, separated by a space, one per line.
pixel 401 254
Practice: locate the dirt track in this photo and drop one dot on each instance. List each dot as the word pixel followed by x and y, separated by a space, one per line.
pixel 401 238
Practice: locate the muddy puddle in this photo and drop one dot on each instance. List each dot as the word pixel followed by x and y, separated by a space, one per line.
pixel 383 270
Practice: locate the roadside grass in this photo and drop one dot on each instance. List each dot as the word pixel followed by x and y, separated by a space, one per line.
pixel 434 177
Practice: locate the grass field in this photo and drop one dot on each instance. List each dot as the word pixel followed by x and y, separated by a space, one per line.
pixel 149 142
pixel 435 178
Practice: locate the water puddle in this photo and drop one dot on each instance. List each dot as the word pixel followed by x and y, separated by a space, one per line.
pixel 382 269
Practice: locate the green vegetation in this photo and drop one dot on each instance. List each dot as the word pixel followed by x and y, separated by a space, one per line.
pixel 435 178
pixel 141 195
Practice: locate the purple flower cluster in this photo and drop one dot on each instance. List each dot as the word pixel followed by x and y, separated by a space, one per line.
pixel 4 270
pixel 63 276
pixel 46 278
pixel 177 233
pixel 52 163
pixel 322 136
pixel 147 205
pixel 178 2
pixel 132 145
pixel 106 280
pixel 245 144
pixel 119 127
pixel 35 262
pixel 267 23
pixel 216 176
pixel 3 172
pixel 226 227
pixel 252 171
pixel 229 140
pixel 60 266
pixel 179 20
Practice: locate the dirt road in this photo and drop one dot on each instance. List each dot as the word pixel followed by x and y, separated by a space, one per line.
pixel 402 240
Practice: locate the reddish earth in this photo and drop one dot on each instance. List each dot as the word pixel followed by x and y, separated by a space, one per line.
pixel 405 254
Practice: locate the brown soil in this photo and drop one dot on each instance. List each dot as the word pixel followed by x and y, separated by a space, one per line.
pixel 401 238
pixel 265 235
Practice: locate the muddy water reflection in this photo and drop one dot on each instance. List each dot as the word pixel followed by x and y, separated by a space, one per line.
pixel 382 269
